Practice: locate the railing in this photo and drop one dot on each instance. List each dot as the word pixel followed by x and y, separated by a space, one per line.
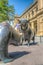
pixel 39 39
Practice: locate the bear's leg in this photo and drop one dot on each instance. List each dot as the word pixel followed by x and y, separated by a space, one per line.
pixel 4 50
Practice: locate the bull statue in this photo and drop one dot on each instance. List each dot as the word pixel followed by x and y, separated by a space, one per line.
pixel 29 34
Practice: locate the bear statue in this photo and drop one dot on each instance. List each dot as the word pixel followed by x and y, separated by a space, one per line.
pixel 5 33
pixel 8 32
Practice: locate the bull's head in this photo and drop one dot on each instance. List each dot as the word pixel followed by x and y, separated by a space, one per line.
pixel 24 24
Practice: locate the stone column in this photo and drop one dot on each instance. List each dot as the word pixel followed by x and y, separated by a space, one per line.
pixel 32 25
pixel 38 27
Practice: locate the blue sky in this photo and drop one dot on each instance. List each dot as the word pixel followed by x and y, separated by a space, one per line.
pixel 20 5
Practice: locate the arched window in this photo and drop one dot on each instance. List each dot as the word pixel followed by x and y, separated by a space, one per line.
pixel 29 15
pixel 32 12
pixel 36 8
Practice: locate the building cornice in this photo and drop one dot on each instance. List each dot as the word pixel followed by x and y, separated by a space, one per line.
pixel 35 2
pixel 40 12
pixel 28 8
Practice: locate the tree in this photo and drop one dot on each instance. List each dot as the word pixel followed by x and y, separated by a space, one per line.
pixel 11 12
pixel 6 11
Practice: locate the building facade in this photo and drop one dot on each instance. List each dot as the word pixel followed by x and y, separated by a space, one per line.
pixel 35 15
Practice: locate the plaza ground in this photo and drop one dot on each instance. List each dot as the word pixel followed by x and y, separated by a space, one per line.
pixel 26 55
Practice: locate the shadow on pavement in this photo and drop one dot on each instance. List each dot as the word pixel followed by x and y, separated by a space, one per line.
pixel 16 55
pixel 35 43
pixel 31 43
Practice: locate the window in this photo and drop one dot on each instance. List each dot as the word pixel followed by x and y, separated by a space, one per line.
pixel 30 24
pixel 32 12
pixel 29 15
pixel 26 16
pixel 42 19
pixel 35 26
pixel 36 8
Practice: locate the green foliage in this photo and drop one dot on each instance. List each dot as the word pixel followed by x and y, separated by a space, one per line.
pixel 6 11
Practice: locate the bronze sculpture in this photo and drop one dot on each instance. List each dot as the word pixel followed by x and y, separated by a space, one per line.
pixel 5 33
pixel 29 34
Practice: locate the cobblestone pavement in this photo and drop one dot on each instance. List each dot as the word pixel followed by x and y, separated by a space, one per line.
pixel 26 55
